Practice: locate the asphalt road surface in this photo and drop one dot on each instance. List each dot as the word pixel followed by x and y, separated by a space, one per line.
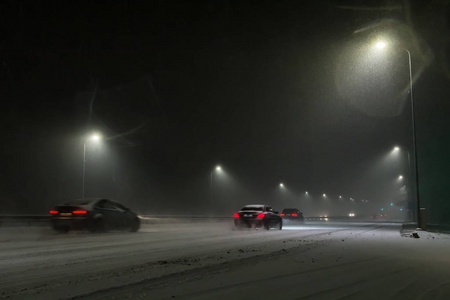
pixel 209 260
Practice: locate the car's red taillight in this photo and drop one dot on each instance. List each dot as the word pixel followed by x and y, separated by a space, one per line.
pixel 294 215
pixel 282 215
pixel 236 215
pixel 53 211
pixel 260 216
pixel 79 212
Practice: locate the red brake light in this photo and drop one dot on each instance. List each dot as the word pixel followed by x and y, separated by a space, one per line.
pixel 79 212
pixel 282 215
pixel 53 211
pixel 260 216
pixel 236 215
pixel 294 215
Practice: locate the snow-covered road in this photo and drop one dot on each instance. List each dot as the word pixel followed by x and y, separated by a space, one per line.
pixel 207 260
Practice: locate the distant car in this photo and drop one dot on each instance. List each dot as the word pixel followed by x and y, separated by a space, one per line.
pixel 96 215
pixel 257 216
pixel 381 216
pixel 292 215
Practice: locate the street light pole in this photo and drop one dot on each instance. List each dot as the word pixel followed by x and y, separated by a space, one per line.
pixel 416 167
pixel 211 189
pixel 84 167
pixel 94 137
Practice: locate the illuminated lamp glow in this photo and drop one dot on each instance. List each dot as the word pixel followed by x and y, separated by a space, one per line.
pixel 236 215
pixel 282 215
pixel 53 211
pixel 79 212
pixel 294 215
pixel 260 216
pixel 380 45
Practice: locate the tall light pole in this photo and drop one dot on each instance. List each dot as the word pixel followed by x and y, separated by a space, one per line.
pixel 381 45
pixel 211 185
pixel 94 138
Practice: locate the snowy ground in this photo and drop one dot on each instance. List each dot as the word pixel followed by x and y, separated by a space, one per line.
pixel 207 260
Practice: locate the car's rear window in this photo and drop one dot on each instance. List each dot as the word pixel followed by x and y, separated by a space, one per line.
pixel 252 208
pixel 290 211
pixel 78 202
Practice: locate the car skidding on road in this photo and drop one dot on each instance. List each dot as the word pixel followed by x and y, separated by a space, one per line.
pixel 96 215
pixel 258 216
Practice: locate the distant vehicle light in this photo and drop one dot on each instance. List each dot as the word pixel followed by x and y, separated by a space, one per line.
pixel 53 211
pixel 79 212
pixel 294 215
pixel 260 216
pixel 282 215
pixel 236 216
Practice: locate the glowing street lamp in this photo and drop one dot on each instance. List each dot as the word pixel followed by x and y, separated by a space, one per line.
pixel 92 138
pixel 324 195
pixel 380 45
pixel 281 185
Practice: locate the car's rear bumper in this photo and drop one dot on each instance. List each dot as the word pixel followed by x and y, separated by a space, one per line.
pixel 69 223
pixel 248 223
pixel 293 220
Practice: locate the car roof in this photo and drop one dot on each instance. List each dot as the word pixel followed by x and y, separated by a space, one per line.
pixel 86 201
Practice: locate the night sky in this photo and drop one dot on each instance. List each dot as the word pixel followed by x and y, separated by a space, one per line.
pixel 273 91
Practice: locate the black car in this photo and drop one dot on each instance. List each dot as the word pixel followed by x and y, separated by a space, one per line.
pixel 292 215
pixel 257 216
pixel 97 215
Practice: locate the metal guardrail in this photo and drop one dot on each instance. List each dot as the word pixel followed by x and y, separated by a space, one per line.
pixel 26 219
pixel 32 219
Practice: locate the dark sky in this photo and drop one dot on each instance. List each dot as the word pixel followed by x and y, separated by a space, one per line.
pixel 271 90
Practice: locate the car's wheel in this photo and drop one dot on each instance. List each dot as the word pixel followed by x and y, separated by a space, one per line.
pixel 280 225
pixel 135 225
pixel 267 226
pixel 98 225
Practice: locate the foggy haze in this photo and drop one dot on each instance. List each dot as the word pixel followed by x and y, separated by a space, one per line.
pixel 272 95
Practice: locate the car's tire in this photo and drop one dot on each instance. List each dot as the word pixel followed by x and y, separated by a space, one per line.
pixel 280 225
pixel 136 224
pixel 266 226
pixel 98 225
